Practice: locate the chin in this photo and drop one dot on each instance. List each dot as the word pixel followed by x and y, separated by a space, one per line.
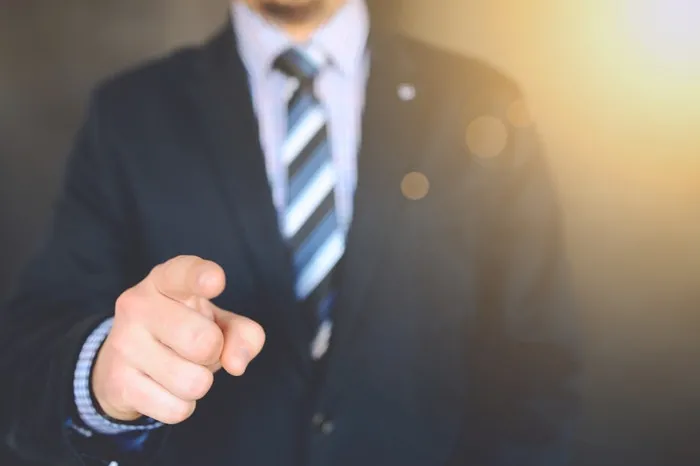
pixel 292 11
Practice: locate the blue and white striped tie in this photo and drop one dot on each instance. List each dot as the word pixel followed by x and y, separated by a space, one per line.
pixel 310 223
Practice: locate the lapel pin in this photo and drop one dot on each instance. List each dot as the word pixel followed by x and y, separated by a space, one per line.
pixel 406 92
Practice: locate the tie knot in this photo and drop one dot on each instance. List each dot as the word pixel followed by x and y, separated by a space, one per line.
pixel 298 64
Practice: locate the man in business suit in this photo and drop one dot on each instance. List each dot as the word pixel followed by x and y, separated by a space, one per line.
pixel 278 249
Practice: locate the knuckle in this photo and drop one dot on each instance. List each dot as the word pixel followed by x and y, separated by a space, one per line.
pixel 181 259
pixel 123 344
pixel 163 273
pixel 177 411
pixel 198 383
pixel 118 344
pixel 158 269
pixel 131 304
pixel 127 304
pixel 182 262
pixel 205 344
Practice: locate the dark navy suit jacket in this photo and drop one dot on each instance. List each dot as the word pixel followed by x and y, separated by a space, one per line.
pixel 454 341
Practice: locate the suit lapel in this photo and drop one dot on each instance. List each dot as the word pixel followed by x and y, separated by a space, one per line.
pixel 239 168
pixel 389 150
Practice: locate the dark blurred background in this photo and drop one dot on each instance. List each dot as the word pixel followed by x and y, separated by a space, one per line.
pixel 614 87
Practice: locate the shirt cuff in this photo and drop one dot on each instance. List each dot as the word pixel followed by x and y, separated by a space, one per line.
pixel 92 419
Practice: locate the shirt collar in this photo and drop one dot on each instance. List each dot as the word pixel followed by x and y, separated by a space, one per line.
pixel 343 39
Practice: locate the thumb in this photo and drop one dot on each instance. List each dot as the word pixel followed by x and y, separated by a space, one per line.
pixel 187 279
pixel 243 340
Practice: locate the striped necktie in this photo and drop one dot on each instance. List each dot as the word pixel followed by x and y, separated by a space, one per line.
pixel 310 224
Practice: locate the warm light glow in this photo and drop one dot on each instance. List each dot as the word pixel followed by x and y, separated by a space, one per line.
pixel 486 136
pixel 637 75
pixel 606 81
pixel 519 114
pixel 415 186
pixel 668 29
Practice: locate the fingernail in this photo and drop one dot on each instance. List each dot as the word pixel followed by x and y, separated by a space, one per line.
pixel 243 358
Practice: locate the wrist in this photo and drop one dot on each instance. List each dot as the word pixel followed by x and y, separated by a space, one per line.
pixel 102 406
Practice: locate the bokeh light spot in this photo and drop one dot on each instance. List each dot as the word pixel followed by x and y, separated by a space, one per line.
pixel 415 186
pixel 406 92
pixel 487 136
pixel 519 114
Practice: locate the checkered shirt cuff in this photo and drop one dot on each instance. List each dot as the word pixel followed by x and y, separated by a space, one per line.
pixel 88 412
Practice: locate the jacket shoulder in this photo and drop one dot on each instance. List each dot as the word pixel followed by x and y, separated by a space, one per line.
pixel 479 104
pixel 449 71
pixel 151 83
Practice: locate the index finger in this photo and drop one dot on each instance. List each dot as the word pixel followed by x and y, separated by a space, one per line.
pixel 186 278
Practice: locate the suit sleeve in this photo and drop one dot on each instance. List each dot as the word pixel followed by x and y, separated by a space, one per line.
pixel 528 357
pixel 88 258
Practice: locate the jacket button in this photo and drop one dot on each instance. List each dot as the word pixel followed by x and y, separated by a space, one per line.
pixel 327 428
pixel 324 425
